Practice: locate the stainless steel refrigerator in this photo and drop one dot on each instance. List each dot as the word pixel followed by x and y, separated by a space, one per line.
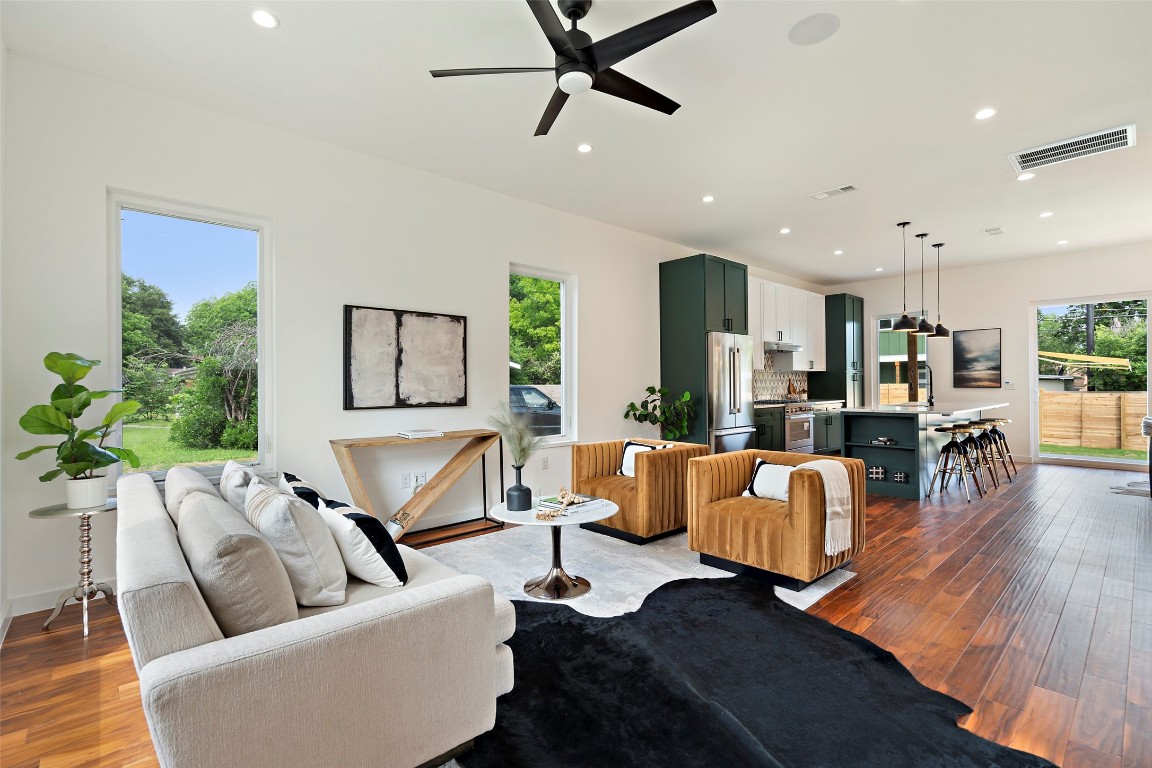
pixel 729 405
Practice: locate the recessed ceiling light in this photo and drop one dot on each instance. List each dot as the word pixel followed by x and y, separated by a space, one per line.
pixel 1061 242
pixel 1025 176
pixel 1046 214
pixel 585 148
pixel 878 269
pixel 708 198
pixel 785 231
pixel 837 253
pixel 985 113
pixel 265 19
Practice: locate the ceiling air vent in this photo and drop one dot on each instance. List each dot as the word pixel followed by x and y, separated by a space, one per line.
pixel 993 231
pixel 832 192
pixel 1070 149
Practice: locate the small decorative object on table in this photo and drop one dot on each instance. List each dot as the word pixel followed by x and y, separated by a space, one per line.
pixel 517 435
pixel 900 477
pixel 883 441
pixel 876 473
pixel 551 507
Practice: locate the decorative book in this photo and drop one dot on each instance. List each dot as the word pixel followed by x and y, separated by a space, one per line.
pixel 417 433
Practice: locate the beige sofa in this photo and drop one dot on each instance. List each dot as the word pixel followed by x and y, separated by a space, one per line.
pixel 393 678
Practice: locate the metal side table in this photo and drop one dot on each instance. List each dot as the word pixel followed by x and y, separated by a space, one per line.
pixel 86 588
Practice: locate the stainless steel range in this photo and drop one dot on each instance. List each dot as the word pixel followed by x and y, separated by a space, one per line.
pixel 798 420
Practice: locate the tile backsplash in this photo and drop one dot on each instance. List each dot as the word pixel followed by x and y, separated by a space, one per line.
pixel 768 384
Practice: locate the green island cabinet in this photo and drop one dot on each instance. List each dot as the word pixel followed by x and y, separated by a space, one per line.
pixel 844 339
pixel 698 294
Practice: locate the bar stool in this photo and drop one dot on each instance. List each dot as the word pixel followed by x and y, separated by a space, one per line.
pixel 985 445
pixel 954 462
pixel 1001 443
pixel 976 455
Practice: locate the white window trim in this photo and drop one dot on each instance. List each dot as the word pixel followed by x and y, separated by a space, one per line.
pixel 568 303
pixel 119 199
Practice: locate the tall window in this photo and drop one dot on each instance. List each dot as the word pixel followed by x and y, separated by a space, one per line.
pixel 190 337
pixel 537 352
pixel 897 367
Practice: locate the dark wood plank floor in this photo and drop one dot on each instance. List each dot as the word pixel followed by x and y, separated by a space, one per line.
pixel 1034 606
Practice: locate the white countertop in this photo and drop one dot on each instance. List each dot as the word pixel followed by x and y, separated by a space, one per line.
pixel 947 409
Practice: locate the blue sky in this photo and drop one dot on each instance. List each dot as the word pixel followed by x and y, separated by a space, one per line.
pixel 189 260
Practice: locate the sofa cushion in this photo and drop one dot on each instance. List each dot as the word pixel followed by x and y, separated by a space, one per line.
pixel 234 481
pixel 178 483
pixel 290 483
pixel 238 573
pixel 769 481
pixel 303 542
pixel 368 551
pixel 631 448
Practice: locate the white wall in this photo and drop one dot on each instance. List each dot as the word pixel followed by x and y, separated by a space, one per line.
pixel 5 608
pixel 347 228
pixel 1001 296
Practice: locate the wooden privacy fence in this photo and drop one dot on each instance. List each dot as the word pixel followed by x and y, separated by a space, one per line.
pixel 1093 419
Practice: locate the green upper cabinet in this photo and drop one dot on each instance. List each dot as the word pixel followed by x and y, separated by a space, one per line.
pixel 725 294
pixel 844 379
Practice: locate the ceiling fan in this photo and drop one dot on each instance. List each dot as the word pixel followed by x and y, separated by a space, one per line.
pixel 582 64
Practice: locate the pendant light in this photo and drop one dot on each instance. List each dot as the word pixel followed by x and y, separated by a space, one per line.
pixel 940 331
pixel 905 323
pixel 923 328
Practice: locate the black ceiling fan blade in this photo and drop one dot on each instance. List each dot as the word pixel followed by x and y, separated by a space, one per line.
pixel 488 71
pixel 553 29
pixel 615 48
pixel 551 112
pixel 613 83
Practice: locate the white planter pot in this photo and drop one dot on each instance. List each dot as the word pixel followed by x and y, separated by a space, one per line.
pixel 89 492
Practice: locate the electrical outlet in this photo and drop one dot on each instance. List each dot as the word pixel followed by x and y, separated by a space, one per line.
pixel 405 480
pixel 544 462
pixel 421 478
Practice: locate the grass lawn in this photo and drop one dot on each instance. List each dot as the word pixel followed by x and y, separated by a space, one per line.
pixel 1103 453
pixel 149 439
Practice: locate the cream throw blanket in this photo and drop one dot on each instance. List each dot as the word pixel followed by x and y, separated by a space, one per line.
pixel 837 504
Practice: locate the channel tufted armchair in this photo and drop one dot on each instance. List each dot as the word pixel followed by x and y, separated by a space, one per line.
pixel 652 504
pixel 780 540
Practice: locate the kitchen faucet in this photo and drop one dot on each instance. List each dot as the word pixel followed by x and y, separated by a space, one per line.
pixel 931 398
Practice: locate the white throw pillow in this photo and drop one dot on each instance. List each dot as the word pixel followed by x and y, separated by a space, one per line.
pixel 769 481
pixel 301 540
pixel 365 544
pixel 234 482
pixel 628 463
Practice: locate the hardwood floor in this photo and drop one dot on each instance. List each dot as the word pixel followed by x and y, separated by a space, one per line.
pixel 1033 605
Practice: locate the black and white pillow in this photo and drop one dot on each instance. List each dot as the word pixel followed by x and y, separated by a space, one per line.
pixel 367 548
pixel 290 483
pixel 628 463
pixel 769 481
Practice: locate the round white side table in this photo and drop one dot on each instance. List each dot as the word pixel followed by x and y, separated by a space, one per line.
pixel 86 588
pixel 556 584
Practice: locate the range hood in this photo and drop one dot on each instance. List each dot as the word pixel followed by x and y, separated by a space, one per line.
pixel 782 346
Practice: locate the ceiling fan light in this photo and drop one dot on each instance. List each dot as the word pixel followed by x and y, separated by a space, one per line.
pixel 574 82
pixel 904 324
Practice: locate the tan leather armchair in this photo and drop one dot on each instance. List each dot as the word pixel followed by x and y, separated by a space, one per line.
pixel 652 503
pixel 784 538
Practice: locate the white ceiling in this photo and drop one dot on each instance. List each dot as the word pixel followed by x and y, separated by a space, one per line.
pixel 886 104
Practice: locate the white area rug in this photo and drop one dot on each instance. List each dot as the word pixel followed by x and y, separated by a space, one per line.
pixel 622 574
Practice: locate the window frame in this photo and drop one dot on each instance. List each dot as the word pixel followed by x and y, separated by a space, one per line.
pixel 119 200
pixel 875 341
pixel 567 282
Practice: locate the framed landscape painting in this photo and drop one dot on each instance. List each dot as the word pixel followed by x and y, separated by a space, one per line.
pixel 976 358
pixel 396 358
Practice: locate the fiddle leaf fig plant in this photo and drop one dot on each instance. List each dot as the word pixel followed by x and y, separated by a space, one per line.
pixel 669 413
pixel 82 451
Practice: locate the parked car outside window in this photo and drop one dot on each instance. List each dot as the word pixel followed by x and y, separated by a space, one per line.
pixel 543 412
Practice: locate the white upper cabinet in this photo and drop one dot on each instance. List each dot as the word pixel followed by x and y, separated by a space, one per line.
pixel 792 315
pixel 817 327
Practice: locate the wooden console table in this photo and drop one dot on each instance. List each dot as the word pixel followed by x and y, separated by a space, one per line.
pixel 479 441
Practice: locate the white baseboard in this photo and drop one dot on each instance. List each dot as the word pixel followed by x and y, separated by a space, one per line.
pixel 5 620
pixel 41 601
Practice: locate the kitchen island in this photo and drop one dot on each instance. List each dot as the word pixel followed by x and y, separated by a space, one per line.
pixel 909 457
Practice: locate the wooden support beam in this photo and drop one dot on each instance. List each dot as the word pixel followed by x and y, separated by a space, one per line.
pixel 479 441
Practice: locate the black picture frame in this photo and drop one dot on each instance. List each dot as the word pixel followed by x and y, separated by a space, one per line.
pixel 976 359
pixel 399 358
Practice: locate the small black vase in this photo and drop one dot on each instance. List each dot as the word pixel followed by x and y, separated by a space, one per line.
pixel 519 496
